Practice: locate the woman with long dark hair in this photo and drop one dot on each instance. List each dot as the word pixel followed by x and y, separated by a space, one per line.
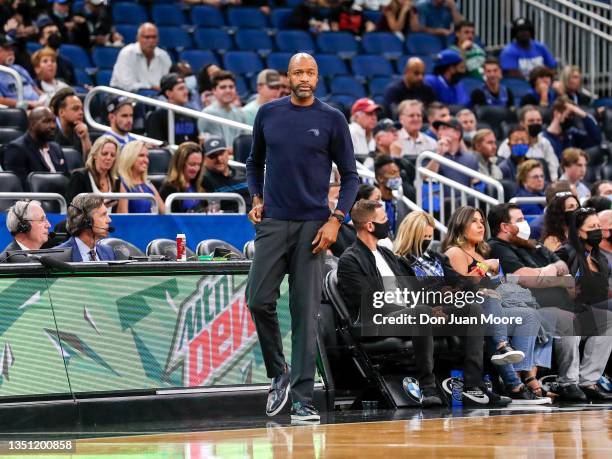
pixel 185 176
pixel 556 219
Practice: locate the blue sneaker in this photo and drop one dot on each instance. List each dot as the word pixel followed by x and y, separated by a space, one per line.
pixel 278 394
pixel 304 412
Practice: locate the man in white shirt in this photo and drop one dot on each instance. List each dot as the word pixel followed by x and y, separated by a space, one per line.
pixel 363 120
pixel 412 141
pixel 141 65
pixel 28 224
pixel 268 89
pixel 540 147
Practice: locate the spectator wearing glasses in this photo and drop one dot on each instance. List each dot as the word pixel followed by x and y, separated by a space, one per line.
pixel 530 178
pixel 363 121
pixel 28 224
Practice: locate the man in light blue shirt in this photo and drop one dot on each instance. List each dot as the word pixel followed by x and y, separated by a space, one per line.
pixel 32 96
pixel 438 16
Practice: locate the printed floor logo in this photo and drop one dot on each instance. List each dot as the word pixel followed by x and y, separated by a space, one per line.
pixel 213 330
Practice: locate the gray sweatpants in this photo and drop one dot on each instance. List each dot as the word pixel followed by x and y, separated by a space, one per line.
pixel 285 247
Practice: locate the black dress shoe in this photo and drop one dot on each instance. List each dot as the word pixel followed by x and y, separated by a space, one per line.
pixel 430 398
pixel 572 393
pixel 596 393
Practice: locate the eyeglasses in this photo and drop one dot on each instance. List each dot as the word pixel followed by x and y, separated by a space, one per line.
pixel 536 177
pixel 38 220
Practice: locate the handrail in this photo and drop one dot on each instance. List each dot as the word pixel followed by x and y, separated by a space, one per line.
pixel 172 109
pixel 581 10
pixel 467 190
pixel 37 196
pixel 129 197
pixel 458 167
pixel 603 6
pixel 211 196
pixel 17 78
pixel 528 200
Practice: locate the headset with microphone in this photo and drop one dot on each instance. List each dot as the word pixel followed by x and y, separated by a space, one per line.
pixel 87 222
pixel 23 224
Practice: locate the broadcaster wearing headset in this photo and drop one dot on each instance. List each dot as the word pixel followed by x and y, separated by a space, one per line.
pixel 88 222
pixel 28 224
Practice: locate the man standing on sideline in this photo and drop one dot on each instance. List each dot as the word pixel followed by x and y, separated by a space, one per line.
pixel 295 139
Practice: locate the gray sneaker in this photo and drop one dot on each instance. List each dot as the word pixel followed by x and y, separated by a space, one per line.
pixel 304 412
pixel 278 394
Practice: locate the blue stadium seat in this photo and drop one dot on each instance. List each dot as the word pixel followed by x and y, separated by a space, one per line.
pixel 373 16
pixel 254 40
pixel 173 37
pixel 33 46
pixel 129 13
pixel 244 62
pixel 103 77
pixel 346 101
pixel 428 60
pixel 471 83
pixel 347 85
pixel 342 43
pixel 331 65
pixel 294 41
pixel 198 58
pixel 247 17
pixel 279 61
pixel 377 85
pixel 167 15
pixel 82 77
pixel 77 55
pixel 104 57
pixel 383 43
pixel 518 87
pixel 128 31
pixel 280 18
pixel 213 39
pixel 294 3
pixel 423 43
pixel 369 65
pixel 207 16
pixel 241 87
pixel 321 91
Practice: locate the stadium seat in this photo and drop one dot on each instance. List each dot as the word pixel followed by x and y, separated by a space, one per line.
pixel 104 57
pixel 518 87
pixel 423 43
pixel 15 118
pixel 254 40
pixel 382 43
pixel 128 31
pixel 368 66
pixel 208 246
pixel 294 3
pixel 129 13
pixel 347 85
pixel 103 77
pixel 471 84
pixel 48 182
pixel 213 39
pixel 249 249
pixel 198 58
pixel 167 248
pixel 33 46
pixel 373 16
pixel 207 16
pixel 242 88
pixel 157 179
pixel 279 61
pixel 280 18
pixel 344 102
pixel 495 116
pixel 247 17
pixel 123 250
pixel 74 158
pixel 377 85
pixel 331 65
pixel 82 77
pixel 321 92
pixel 8 134
pixel 607 122
pixel 167 15
pixel 603 102
pixel 242 147
pixel 174 38
pixel 342 43
pixel 294 41
pixel 9 183
pixel 243 62
pixel 76 55
pixel 159 160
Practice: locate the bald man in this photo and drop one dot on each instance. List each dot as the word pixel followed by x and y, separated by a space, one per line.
pixel 34 151
pixel 295 141
pixel 141 65
pixel 411 86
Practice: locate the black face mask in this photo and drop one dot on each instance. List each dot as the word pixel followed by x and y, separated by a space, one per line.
pixel 55 40
pixel 381 230
pixel 456 78
pixel 425 245
pixel 593 238
pixel 534 129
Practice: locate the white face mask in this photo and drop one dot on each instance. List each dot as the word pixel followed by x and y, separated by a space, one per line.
pixel 524 230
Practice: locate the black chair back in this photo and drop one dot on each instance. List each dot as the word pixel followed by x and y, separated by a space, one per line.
pixel 123 250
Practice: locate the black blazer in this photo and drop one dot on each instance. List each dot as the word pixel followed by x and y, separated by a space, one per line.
pixel 22 156
pixel 357 273
pixel 12 246
pixel 80 183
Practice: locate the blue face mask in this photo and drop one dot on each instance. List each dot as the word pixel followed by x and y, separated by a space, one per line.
pixel 394 183
pixel 519 150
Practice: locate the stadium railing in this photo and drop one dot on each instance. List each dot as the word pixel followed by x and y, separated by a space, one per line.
pixel 528 200
pixel 18 86
pixel 19 196
pixel 456 191
pixel 234 197
pixel 129 197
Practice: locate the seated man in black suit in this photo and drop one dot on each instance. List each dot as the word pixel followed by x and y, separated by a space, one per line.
pixel 34 151
pixel 88 223
pixel 28 224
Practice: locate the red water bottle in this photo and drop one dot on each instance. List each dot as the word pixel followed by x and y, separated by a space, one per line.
pixel 181 244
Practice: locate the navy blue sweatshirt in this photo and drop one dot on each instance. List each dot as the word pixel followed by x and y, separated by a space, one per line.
pixel 297 146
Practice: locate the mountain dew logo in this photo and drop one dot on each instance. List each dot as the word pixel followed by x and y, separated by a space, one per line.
pixel 213 330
